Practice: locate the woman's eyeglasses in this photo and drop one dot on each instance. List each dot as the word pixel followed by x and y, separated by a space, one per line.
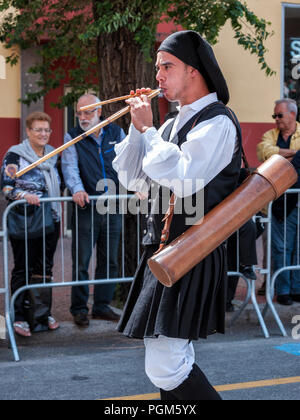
pixel 42 130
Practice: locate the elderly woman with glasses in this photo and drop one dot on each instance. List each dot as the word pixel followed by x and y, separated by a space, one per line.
pixel 33 308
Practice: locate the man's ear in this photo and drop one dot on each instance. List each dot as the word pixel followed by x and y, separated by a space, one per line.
pixel 193 72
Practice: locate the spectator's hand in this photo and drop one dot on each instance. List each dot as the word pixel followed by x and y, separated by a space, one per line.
pixel 32 199
pixel 287 153
pixel 81 198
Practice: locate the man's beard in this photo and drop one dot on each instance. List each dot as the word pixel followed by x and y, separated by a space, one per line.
pixel 86 125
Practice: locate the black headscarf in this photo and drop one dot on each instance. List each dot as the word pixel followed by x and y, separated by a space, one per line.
pixel 193 50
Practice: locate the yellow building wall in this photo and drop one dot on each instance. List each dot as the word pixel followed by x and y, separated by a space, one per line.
pixel 252 92
pixel 10 87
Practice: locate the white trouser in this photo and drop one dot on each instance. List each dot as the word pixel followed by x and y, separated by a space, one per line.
pixel 168 361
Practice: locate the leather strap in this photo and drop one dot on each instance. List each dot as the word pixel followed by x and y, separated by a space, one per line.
pixel 234 120
pixel 168 220
pixel 169 215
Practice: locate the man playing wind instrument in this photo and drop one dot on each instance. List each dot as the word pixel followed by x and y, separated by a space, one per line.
pixel 199 149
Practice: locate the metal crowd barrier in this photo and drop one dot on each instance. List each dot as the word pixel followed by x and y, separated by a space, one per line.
pixel 5 291
pixel 10 301
pixel 250 295
pixel 251 284
pixel 271 277
pixel 268 272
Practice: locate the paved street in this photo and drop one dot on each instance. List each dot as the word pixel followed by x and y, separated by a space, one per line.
pixel 99 363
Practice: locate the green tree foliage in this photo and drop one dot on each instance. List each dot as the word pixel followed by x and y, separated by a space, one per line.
pixel 66 33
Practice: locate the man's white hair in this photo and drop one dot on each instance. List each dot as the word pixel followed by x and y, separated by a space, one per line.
pixel 290 103
pixel 91 95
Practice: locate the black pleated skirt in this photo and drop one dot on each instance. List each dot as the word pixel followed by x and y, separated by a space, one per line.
pixel 191 309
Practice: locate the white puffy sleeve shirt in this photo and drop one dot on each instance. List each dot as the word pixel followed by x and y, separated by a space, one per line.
pixel 209 148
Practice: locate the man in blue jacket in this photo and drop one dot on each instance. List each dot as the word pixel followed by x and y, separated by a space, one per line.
pixel 83 166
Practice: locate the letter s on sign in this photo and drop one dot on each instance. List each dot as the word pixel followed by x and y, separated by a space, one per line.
pixel 296 330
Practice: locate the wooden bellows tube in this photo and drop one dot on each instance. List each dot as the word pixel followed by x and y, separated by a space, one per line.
pixel 266 184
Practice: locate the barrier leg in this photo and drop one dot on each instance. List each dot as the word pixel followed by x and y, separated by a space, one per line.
pixel 12 339
pixel 257 310
pixel 245 303
pixel 8 319
pixel 270 282
pixel 277 319
pixel 251 296
pixel 269 304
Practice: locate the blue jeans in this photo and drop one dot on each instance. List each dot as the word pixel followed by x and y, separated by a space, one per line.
pixel 288 282
pixel 103 294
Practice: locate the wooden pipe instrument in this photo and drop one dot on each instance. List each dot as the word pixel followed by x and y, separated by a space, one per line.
pixel 150 93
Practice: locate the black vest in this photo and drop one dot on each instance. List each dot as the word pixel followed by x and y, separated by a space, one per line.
pixel 95 162
pixel 214 192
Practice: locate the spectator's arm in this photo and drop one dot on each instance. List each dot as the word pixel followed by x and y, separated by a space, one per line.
pixel 70 169
pixel 10 189
pixel 266 148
